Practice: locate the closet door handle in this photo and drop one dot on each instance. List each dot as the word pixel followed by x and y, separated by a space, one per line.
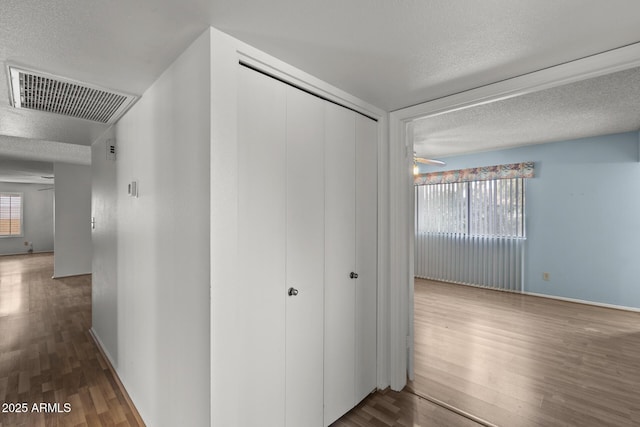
pixel 353 275
pixel 292 292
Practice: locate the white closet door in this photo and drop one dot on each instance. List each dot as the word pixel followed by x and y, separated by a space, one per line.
pixel 260 326
pixel 366 255
pixel 339 345
pixel 305 259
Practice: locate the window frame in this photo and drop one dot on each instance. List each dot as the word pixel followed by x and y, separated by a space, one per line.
pixel 21 195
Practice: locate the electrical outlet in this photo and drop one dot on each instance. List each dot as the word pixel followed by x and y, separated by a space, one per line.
pixel 545 276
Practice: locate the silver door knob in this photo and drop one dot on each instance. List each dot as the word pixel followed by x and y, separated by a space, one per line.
pixel 293 292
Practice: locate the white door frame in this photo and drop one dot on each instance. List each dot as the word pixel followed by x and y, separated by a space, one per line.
pixel 401 183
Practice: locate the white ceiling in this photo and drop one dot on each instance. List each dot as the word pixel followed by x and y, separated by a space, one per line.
pixel 391 53
pixel 603 105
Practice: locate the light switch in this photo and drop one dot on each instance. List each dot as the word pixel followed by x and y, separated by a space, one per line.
pixel 132 189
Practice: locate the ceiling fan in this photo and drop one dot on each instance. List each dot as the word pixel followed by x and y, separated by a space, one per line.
pixel 416 160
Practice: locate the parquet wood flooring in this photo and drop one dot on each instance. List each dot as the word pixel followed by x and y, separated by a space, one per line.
pixel 519 360
pixel 47 355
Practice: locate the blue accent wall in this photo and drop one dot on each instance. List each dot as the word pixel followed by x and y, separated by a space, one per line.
pixel 582 216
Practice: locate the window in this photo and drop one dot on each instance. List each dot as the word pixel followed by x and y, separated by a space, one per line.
pixel 492 208
pixel 10 214
pixel 470 225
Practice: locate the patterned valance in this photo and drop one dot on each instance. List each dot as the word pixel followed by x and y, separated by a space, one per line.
pixel 483 173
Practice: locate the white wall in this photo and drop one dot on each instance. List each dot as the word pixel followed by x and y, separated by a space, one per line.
pixel 177 239
pixel 104 288
pixel 37 217
pixel 163 246
pixel 72 215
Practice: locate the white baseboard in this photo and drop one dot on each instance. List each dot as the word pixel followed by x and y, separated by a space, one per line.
pixel 101 346
pixel 27 253
pixel 580 301
pixel 71 275
pixel 116 377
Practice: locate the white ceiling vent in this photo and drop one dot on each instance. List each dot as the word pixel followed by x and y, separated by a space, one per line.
pixel 39 91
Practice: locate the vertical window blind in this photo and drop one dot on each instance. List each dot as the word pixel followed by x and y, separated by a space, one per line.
pixel 472 230
pixel 10 214
pixel 482 208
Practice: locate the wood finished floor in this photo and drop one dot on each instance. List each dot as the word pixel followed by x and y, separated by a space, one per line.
pixel 518 360
pixel 510 359
pixel 46 352
pixel 400 409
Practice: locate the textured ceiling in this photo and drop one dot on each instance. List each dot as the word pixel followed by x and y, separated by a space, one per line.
pixel 397 53
pixel 598 106
pixel 118 45
pixel 391 53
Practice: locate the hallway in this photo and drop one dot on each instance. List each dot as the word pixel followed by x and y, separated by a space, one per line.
pixel 47 355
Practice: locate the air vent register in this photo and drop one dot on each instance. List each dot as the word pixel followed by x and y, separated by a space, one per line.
pixel 39 91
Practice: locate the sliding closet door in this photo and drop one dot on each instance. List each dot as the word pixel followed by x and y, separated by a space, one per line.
pixel 339 346
pixel 305 259
pixel 366 166
pixel 306 221
pixel 260 326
